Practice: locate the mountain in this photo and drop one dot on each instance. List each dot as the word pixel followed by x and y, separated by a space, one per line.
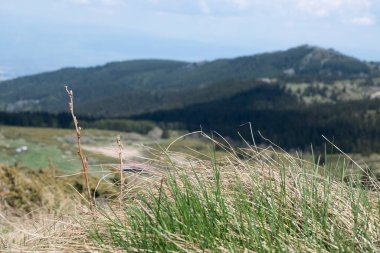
pixel 142 86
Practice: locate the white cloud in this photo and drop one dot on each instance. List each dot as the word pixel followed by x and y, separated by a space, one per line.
pixel 319 8
pixel 204 6
pixel 323 8
pixel 112 2
pixel 99 2
pixel 242 4
pixel 80 1
pixel 342 9
pixel 365 20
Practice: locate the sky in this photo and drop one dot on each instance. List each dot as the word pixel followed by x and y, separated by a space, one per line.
pixel 45 35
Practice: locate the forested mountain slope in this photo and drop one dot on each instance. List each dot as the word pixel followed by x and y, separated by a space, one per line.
pixel 141 86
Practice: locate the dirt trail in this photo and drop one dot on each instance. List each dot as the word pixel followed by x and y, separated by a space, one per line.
pixel 113 151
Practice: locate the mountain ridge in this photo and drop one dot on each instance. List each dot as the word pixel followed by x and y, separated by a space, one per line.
pixel 140 86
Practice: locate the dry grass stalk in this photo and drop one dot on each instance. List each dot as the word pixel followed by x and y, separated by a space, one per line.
pixel 266 167
pixel 80 152
pixel 121 169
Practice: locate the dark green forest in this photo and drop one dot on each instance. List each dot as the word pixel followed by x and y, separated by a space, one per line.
pixel 64 120
pixel 352 125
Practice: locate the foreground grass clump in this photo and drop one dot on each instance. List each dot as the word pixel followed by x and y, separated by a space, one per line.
pixel 40 209
pixel 25 190
pixel 257 200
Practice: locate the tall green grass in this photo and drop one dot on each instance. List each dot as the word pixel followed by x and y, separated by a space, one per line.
pixel 252 200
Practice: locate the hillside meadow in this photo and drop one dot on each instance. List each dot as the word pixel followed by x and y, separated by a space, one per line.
pixel 57 146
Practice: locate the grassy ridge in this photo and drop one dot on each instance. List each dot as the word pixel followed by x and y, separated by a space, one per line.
pixel 242 200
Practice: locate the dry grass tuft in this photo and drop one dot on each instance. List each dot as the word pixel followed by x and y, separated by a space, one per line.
pixel 252 199
pixel 42 213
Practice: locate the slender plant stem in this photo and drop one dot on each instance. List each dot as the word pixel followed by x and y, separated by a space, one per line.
pixel 80 152
pixel 121 169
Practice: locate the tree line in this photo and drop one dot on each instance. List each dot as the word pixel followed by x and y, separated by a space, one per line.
pixel 353 126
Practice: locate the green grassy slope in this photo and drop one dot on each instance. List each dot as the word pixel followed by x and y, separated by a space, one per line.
pixel 57 147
